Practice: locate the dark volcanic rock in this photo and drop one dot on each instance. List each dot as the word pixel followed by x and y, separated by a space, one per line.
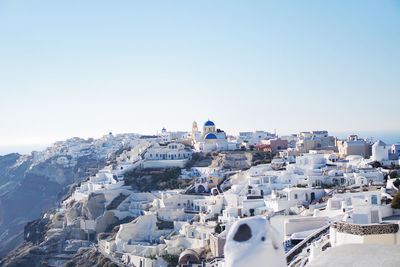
pixel 89 258
pixel 33 190
pixel 24 256
pixel 34 231
pixel 116 201
pixel 12 173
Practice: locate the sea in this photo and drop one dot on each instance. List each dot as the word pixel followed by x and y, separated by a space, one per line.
pixel 388 137
pixel 22 149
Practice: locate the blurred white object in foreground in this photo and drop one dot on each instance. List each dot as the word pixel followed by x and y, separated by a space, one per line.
pixel 253 242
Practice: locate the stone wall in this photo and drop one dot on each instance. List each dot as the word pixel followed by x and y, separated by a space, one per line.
pixel 372 229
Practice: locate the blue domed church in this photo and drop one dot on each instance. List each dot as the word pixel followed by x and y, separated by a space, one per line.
pixel 210 139
pixel 211 134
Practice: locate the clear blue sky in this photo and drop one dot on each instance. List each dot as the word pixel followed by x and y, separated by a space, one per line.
pixel 84 68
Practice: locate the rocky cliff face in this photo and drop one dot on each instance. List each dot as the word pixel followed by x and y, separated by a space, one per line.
pixel 233 160
pixel 28 188
pixel 46 246
pixel 56 239
pixel 12 169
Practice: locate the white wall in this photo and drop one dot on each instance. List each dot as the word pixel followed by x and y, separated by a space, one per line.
pixel 338 239
pixel 139 261
pixel 292 226
pixel 380 153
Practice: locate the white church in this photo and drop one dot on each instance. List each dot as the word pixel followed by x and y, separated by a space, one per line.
pixel 385 154
pixel 211 139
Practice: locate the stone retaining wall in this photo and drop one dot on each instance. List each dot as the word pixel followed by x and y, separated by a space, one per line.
pixel 373 229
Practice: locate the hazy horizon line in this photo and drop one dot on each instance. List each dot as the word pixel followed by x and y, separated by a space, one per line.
pixel 388 136
pixel 283 133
